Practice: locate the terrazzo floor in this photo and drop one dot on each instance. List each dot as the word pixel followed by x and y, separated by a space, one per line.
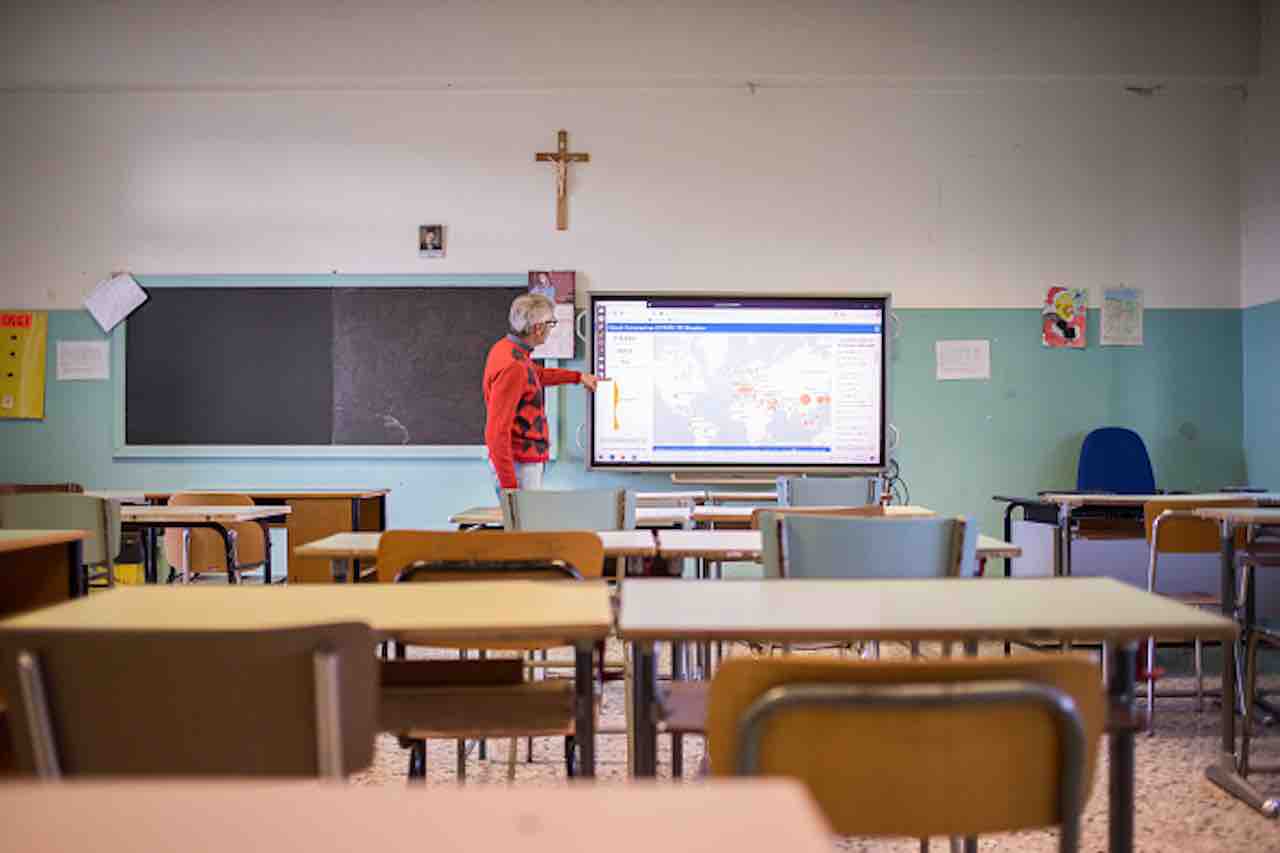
pixel 1177 808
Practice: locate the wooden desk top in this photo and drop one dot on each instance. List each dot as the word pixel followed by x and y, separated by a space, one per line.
pixel 209 514
pixel 1070 499
pixel 745 816
pixel 954 609
pixel 742 514
pixel 439 612
pixel 646 516
pixel 143 495
pixel 364 546
pixel 1241 515
pixel 694 496
pixel 768 496
pixel 20 540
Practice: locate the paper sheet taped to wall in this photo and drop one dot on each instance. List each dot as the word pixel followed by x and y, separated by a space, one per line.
pixel 114 299
pixel 963 359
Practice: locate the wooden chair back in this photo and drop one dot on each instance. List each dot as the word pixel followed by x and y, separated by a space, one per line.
pixel 193 702
pixel 940 767
pixel 206 550
pixel 1184 534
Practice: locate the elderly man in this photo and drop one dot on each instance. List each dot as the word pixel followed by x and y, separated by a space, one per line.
pixel 516 422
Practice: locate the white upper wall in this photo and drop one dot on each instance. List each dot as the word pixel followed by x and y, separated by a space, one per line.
pixel 384 43
pixel 1260 171
pixel 958 159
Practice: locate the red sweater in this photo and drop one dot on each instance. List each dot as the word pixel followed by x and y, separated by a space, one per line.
pixel 516 419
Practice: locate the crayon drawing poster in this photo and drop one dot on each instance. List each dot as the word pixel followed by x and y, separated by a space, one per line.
pixel 1064 317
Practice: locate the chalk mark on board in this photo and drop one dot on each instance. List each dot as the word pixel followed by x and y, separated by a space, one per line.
pixel 392 422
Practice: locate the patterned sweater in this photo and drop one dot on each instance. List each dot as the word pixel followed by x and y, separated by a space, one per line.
pixel 516 420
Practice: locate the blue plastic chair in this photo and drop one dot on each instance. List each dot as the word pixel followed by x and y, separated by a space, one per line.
pixel 1115 459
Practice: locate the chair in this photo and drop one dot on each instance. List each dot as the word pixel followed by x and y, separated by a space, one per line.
pixel 1112 460
pixel 127 703
pixel 461 700
pixel 889 748
pixel 1261 550
pixel 1173 528
pixel 578 509
pixel 194 551
pixel 70 511
pixel 835 543
pixel 827 491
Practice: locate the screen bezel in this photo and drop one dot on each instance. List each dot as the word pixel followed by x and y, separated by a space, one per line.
pixel 761 468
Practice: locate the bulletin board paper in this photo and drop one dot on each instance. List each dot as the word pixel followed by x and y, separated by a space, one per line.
pixel 24 335
pixel 83 360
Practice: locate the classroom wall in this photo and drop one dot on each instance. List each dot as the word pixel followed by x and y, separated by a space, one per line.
pixel 964 160
pixel 1260 244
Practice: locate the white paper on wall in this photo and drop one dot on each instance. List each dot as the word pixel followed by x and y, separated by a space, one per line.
pixel 114 299
pixel 963 359
pixel 83 360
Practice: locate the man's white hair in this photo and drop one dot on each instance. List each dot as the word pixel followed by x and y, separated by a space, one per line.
pixel 527 309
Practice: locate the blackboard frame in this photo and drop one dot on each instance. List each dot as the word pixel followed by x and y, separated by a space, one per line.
pixel 119 344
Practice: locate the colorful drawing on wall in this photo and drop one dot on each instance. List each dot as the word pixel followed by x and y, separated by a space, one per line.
pixel 24 335
pixel 1121 317
pixel 556 285
pixel 1063 318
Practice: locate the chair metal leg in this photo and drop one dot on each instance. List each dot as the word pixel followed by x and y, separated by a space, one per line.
pixel 418 761
pixel 1250 689
pixel 677 756
pixel 462 760
pixel 1199 675
pixel 1151 686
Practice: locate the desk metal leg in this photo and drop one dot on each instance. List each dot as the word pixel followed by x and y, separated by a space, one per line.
pixel 643 699
pixel 266 552
pixel 1062 545
pixel 1120 692
pixel 1225 773
pixel 584 728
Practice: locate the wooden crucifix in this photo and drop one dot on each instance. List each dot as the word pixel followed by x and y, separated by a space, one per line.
pixel 562 158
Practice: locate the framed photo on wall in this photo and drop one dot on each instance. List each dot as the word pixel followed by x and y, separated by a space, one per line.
pixel 431 241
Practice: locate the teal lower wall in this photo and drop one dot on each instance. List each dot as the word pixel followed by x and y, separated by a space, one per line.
pixel 961 442
pixel 1261 331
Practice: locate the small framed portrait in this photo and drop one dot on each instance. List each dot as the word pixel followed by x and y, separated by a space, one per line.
pixel 431 241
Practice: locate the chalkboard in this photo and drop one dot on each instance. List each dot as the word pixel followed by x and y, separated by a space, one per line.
pixel 310 366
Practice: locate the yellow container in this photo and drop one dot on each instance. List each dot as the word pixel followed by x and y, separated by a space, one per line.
pixel 130 573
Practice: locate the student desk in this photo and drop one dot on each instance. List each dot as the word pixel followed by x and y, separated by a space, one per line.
pixel 646 516
pixel 958 609
pixel 476 613
pixel 340 548
pixel 745 816
pixel 216 518
pixel 1064 503
pixel 316 512
pixel 1224 773
pixel 39 567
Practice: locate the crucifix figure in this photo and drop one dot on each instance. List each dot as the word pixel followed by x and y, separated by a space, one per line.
pixel 561 160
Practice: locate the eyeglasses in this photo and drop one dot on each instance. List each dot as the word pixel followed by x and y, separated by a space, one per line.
pixel 550 323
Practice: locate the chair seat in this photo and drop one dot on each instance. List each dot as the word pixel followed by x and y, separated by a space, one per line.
pixel 683 706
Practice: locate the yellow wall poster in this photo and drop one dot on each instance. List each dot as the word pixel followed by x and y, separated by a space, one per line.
pixel 23 336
